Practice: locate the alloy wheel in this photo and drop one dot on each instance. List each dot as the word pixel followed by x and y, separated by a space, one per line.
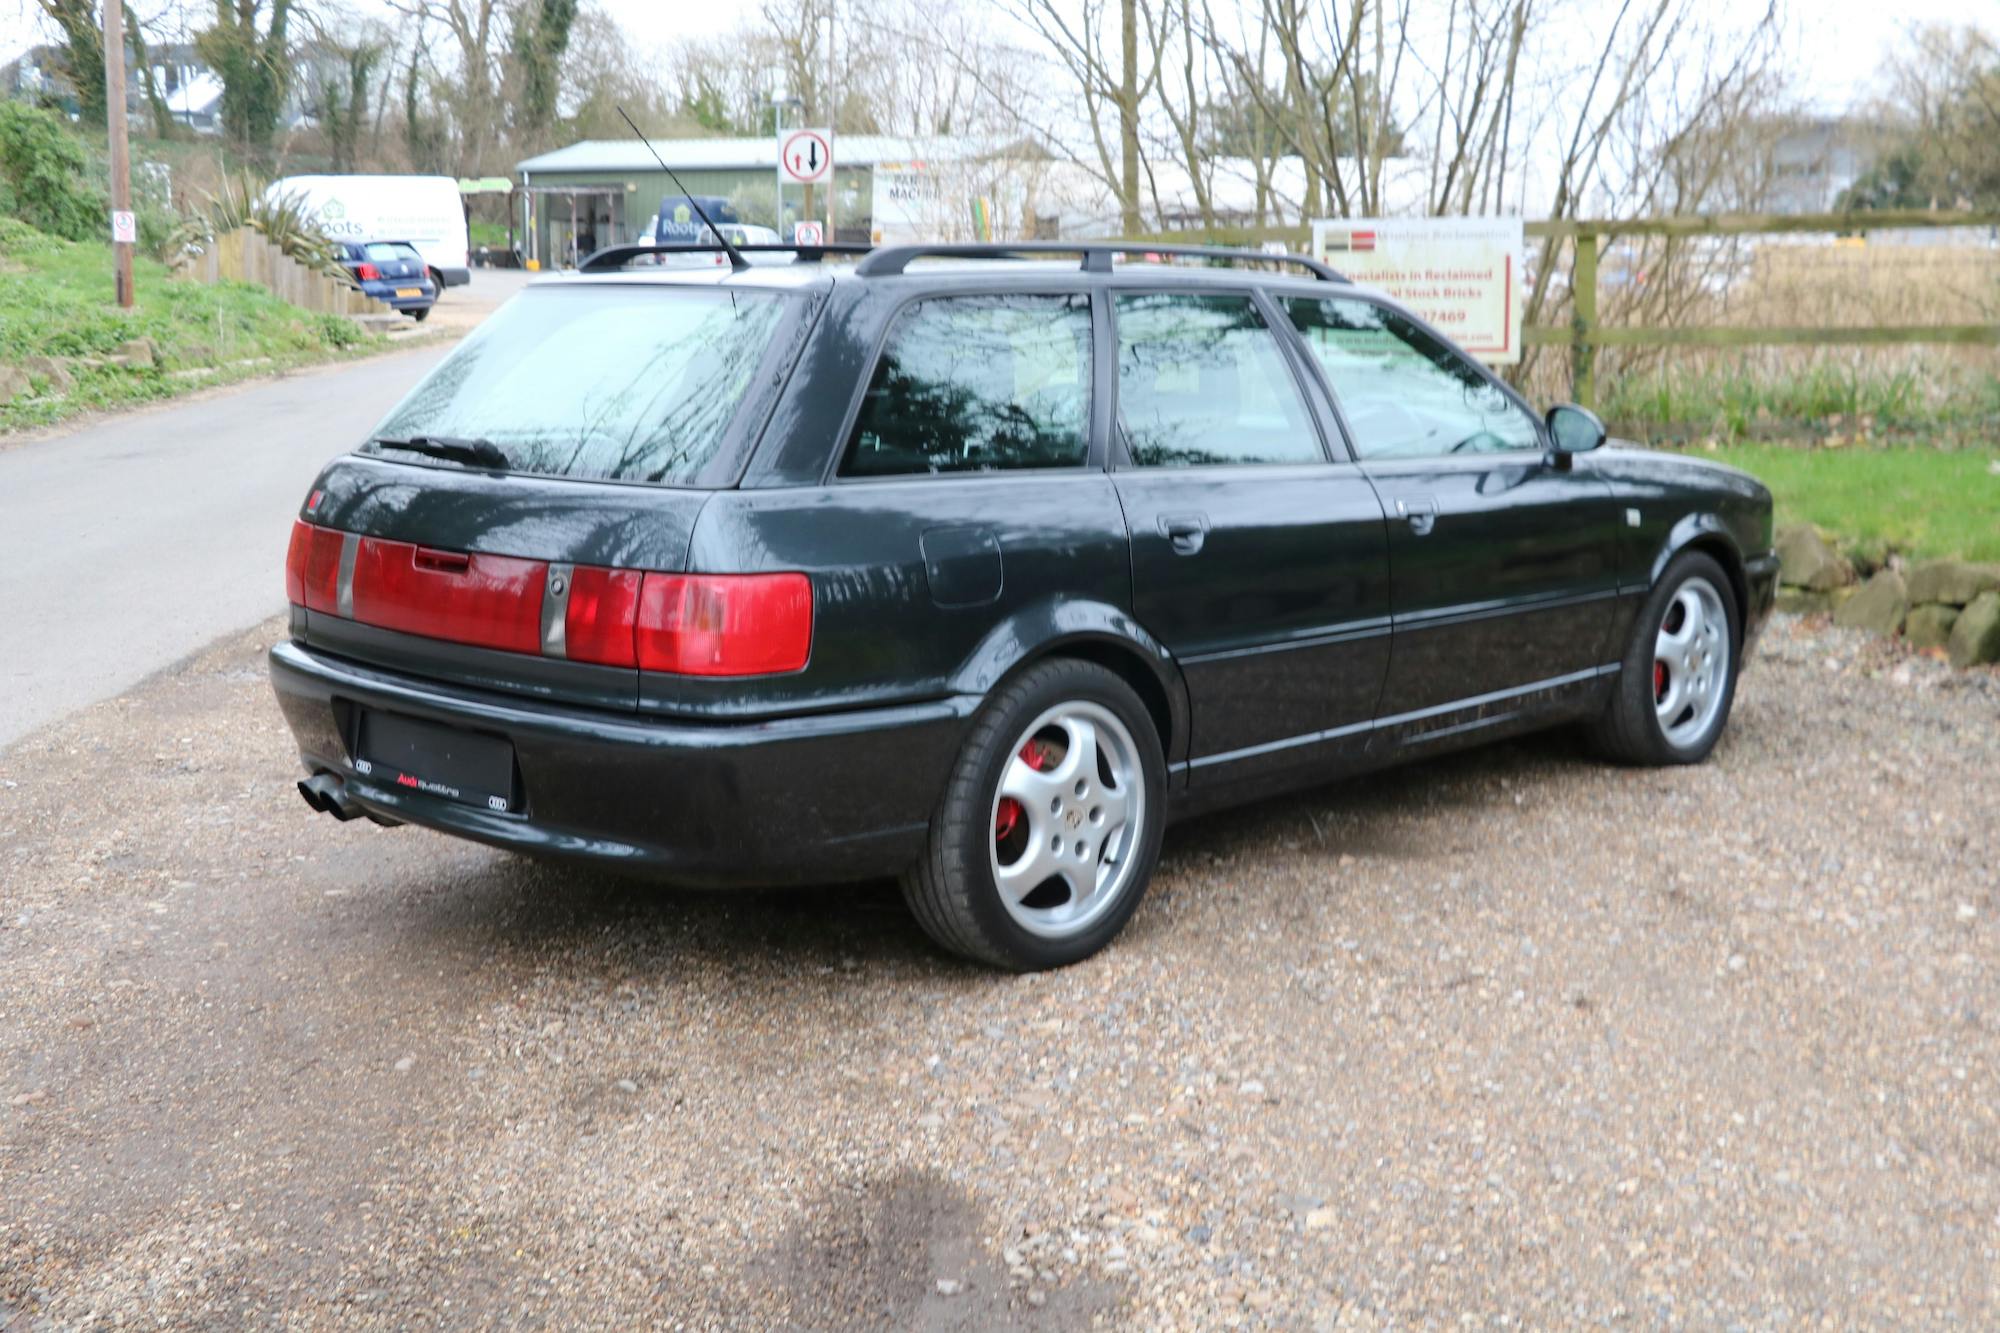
pixel 1691 662
pixel 1068 816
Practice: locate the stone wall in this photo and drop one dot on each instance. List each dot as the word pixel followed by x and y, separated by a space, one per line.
pixel 1948 604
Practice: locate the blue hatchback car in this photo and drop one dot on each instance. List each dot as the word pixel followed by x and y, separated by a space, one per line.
pixel 393 273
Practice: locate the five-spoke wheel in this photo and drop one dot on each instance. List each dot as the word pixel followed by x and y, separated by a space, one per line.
pixel 1691 661
pixel 1070 807
pixel 1050 824
pixel 1678 676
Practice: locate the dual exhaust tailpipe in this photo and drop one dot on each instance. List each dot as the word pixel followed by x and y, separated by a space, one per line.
pixel 327 793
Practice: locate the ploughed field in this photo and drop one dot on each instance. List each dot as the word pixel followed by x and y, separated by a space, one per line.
pixel 1509 1034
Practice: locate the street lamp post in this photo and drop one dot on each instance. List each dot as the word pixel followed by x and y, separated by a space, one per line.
pixel 778 105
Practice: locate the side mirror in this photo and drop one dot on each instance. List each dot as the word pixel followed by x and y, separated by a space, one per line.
pixel 1575 430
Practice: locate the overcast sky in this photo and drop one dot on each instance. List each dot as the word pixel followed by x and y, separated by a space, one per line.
pixel 1840 42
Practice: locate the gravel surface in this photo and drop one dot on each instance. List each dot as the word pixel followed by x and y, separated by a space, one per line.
pixel 1505 1039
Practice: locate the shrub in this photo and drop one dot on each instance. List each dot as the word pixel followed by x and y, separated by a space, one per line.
pixel 20 241
pixel 337 330
pixel 285 222
pixel 45 176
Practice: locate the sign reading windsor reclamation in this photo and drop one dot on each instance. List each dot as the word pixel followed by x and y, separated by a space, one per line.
pixel 1461 275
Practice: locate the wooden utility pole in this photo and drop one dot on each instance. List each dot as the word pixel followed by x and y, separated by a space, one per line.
pixel 123 230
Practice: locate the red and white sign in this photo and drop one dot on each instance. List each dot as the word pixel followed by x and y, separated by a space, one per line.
pixel 124 227
pixel 809 233
pixel 1462 275
pixel 806 156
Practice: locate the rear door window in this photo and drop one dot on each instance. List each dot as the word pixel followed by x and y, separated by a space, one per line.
pixel 1201 379
pixel 978 384
pixel 623 383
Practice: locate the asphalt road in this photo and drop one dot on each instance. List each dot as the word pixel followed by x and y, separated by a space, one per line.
pixel 133 542
pixel 140 538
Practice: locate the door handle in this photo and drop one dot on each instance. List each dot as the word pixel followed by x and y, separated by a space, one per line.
pixel 1184 532
pixel 1421 512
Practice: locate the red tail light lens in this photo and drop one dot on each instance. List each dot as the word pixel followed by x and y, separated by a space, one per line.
pixel 367 273
pixel 492 601
pixel 295 563
pixel 312 567
pixel 603 605
pixel 725 624
pixel 685 624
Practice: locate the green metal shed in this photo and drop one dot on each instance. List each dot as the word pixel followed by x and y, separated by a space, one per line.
pixel 602 191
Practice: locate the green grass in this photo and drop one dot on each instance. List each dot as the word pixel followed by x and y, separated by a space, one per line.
pixel 1924 503
pixel 492 234
pixel 1926 401
pixel 56 300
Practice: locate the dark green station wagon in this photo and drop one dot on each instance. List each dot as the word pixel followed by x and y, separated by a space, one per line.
pixel 976 565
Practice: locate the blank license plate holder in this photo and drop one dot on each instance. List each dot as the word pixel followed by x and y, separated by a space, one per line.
pixel 437 760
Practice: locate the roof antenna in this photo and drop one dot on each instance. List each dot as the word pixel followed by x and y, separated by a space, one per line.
pixel 737 262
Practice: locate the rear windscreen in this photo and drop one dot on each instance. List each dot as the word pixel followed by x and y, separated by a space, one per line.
pixel 623 383
pixel 387 251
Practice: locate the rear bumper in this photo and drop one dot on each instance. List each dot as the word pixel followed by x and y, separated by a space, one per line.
pixel 837 796
pixel 455 277
pixel 385 292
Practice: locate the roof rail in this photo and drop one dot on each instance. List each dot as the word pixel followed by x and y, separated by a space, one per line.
pixel 1096 255
pixel 617 256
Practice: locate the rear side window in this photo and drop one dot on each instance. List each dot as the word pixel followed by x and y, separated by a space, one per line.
pixel 624 383
pixel 1201 380
pixel 978 384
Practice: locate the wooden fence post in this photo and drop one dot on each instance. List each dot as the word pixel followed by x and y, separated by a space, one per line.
pixel 1583 322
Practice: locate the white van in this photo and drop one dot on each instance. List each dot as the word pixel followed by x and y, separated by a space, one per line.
pixel 426 211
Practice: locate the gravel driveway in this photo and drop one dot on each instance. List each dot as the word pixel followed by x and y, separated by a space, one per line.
pixel 1510 1038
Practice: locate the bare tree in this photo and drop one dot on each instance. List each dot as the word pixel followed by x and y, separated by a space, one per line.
pixel 1074 35
pixel 1937 140
pixel 478 30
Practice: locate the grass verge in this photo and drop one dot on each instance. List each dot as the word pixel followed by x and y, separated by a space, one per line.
pixel 55 300
pixel 1922 503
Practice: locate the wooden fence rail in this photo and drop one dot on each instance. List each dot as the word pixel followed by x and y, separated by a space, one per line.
pixel 1583 335
pixel 245 255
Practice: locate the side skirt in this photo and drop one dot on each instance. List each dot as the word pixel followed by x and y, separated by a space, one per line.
pixel 1397 740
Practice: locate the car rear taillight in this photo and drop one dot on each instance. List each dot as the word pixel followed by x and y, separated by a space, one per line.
pixel 684 624
pixel 725 624
pixel 312 567
pixel 492 601
pixel 603 609
pixel 368 273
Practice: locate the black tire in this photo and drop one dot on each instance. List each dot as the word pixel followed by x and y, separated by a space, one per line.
pixel 437 281
pixel 420 315
pixel 953 891
pixel 1630 729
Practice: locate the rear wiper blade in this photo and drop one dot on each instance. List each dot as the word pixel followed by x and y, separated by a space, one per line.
pixel 480 453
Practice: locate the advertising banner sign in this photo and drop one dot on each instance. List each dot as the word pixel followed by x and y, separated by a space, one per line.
pixel 910 204
pixel 1461 275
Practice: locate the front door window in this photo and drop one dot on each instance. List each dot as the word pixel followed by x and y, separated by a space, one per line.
pixel 1405 393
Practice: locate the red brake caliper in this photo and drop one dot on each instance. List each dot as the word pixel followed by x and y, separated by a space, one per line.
pixel 1007 816
pixel 1659 681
